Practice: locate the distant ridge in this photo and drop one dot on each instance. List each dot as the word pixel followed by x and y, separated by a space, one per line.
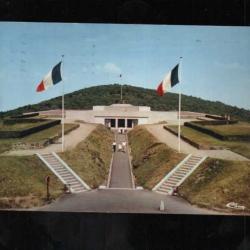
pixel 109 94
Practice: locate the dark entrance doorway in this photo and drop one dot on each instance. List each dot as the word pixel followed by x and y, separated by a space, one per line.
pixel 130 123
pixel 135 122
pixel 121 123
pixel 112 123
pixel 107 122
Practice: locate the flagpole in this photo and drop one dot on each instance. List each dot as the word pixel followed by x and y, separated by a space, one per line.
pixel 179 123
pixel 121 87
pixel 121 92
pixel 62 122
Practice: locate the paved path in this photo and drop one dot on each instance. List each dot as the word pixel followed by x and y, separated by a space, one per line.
pixel 121 172
pixel 123 201
pixel 172 141
pixel 71 140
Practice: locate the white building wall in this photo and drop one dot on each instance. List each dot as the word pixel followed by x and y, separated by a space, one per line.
pixel 98 108
pixel 144 108
pixel 84 115
pixel 99 120
pixel 159 116
pixel 142 121
pixel 151 117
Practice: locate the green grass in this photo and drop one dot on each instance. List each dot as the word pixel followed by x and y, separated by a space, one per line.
pixel 218 182
pixel 240 147
pixel 6 144
pixel 20 126
pixel 241 128
pixel 152 160
pixel 91 158
pixel 22 182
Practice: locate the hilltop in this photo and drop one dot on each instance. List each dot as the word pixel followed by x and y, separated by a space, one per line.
pixel 109 94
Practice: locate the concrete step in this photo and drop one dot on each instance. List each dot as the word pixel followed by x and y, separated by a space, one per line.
pixel 71 179
pixel 175 177
pixel 65 174
pixel 59 168
pixel 77 188
pixel 165 189
pixel 167 186
pixel 179 174
pixel 172 182
pixel 63 171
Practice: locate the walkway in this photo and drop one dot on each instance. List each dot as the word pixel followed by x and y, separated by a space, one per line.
pixel 123 201
pixel 120 197
pixel 172 141
pixel 71 140
pixel 121 171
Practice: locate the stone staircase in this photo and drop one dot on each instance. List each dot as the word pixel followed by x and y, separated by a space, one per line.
pixel 66 175
pixel 179 174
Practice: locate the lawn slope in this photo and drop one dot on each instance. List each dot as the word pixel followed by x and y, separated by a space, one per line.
pixel 218 182
pixel 22 182
pixel 152 160
pixel 90 159
pixel 240 147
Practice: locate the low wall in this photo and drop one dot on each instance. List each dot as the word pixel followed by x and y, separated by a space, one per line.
pixel 216 117
pixel 41 144
pixel 215 122
pixel 25 115
pixel 22 120
pixel 25 132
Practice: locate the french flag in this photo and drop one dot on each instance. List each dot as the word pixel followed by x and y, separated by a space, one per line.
pixel 52 78
pixel 170 80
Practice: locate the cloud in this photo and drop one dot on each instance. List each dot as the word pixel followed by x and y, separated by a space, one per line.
pixel 112 68
pixel 108 68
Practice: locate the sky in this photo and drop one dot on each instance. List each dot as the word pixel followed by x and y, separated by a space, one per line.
pixel 215 64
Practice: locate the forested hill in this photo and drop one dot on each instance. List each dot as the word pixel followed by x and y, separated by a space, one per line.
pixel 109 94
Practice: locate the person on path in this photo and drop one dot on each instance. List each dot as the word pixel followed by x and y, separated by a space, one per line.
pixel 124 146
pixel 119 147
pixel 114 146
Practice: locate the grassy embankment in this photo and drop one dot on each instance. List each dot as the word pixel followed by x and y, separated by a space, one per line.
pixel 241 128
pixel 218 182
pixel 240 147
pixel 20 126
pixel 152 160
pixel 6 144
pixel 22 180
pixel 90 159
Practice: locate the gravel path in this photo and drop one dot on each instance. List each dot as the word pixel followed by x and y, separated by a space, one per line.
pixel 172 141
pixel 71 140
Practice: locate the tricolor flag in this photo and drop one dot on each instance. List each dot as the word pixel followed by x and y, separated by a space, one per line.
pixel 52 78
pixel 169 81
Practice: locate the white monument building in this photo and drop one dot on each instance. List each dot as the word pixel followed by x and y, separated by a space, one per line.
pixel 123 115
